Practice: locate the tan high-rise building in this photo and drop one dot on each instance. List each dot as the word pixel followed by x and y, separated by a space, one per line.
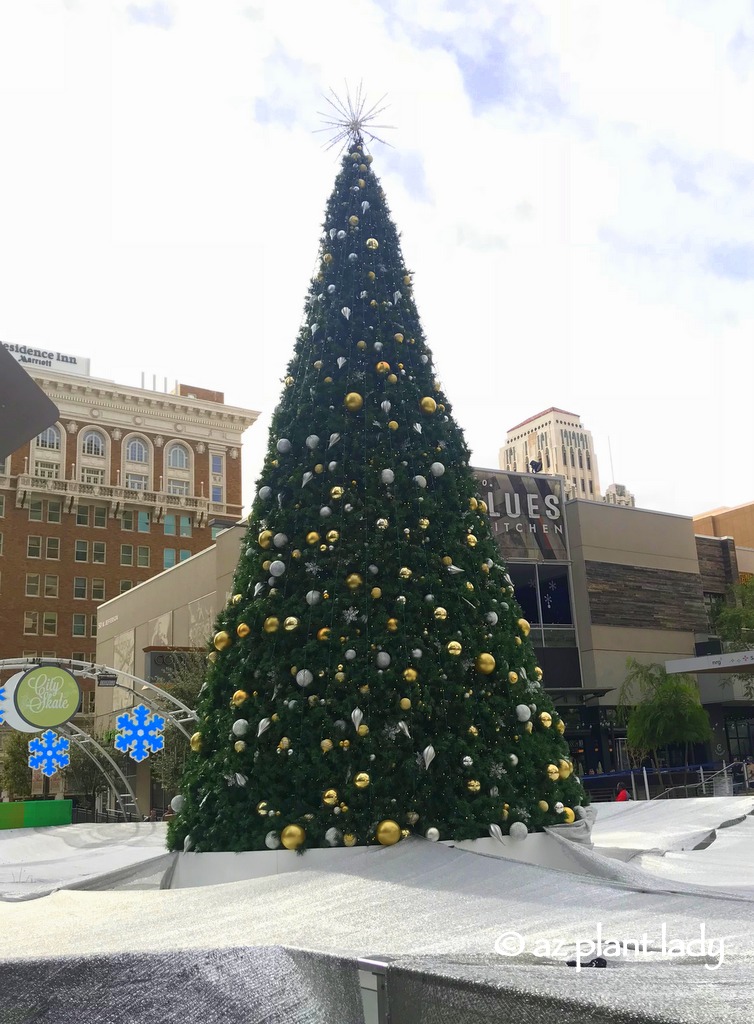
pixel 558 441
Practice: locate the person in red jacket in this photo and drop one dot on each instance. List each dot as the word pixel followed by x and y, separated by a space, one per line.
pixel 623 793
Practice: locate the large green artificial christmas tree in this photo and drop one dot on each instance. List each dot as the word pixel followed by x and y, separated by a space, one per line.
pixel 371 675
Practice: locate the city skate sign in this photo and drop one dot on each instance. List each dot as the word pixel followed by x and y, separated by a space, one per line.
pixel 526 514
pixel 47 359
pixel 47 696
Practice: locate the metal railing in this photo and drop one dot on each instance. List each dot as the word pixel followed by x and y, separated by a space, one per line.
pixel 649 784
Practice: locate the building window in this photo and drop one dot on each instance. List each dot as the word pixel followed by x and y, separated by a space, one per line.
pixel 125 585
pixel 1 543
pixel 93 444
pixel 2 506
pixel 79 588
pixel 32 584
pixel 565 460
pixel 127 520
pixel 217 530
pixel 184 554
pixel 52 548
pixel 100 516
pixel 168 558
pixel 93 625
pixel 92 475
pixel 169 525
pixel 142 557
pixel 98 552
pixel 591 488
pixel 178 457
pixel 82 515
pixel 33 547
pixel 54 512
pixel 79 656
pixel 52 585
pixel 50 624
pixel 126 554
pixel 573 464
pixel 588 462
pixel 81 551
pixel 31 623
pixel 79 624
pixel 583 487
pixel 48 654
pixel 581 460
pixel 35 511
pixel 46 470
pixel 180 487
pixel 50 439
pixel 185 526
pixel 547 458
pixel 136 450
pixel 136 481
pixel 217 493
pixel 98 589
pixel 217 464
pixel 143 522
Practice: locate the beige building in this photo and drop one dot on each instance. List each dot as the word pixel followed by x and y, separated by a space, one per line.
pixel 737 522
pixel 558 441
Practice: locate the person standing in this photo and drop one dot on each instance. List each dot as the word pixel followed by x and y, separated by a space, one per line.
pixel 622 793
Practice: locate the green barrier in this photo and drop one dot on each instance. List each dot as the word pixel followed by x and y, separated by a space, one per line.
pixel 35 813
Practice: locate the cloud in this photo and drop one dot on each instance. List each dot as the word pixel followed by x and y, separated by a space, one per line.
pixel 408 165
pixel 158 14
pixel 731 260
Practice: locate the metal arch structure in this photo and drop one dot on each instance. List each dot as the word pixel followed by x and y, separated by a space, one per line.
pixel 179 715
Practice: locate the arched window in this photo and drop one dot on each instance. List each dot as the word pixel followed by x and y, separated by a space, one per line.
pixel 178 457
pixel 93 443
pixel 136 450
pixel 49 439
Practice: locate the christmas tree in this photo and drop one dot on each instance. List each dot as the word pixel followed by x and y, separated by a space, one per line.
pixel 371 674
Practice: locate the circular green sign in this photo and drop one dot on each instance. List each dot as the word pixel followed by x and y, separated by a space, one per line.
pixel 47 696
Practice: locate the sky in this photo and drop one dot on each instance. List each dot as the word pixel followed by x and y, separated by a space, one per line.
pixel 573 180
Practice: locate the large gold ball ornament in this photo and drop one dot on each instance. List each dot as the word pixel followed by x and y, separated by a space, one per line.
pixel 284 743
pixel 428 405
pixel 290 381
pixel 517 640
pixel 327 258
pixel 560 726
pixel 318 364
pixel 454 648
pixel 330 797
pixel 543 805
pixel 242 629
pixel 336 493
pixel 552 772
pixel 372 243
pixel 382 367
pixel 237 598
pixel 565 768
pixel 392 625
pixel 238 698
pixel 353 220
pixel 353 401
pixel 325 746
pixel 349 839
pixel 473 785
pixel 398 339
pixel 354 581
pixel 265 539
pixel 388 832
pixel 410 675
pixel 332 536
pixel 361 780
pixel 271 624
pixel 423 524
pixel 363 730
pixel 382 524
pixel 340 677
pixel 524 626
pixel 239 746
pixel 361 345
pixel 513 677
pixel 440 614
pixel 537 672
pixel 405 573
pixel 221 640
pixel 471 540
pixel 292 837
pixel 312 537
pixel 290 624
pixel 484 568
pixel 212 656
pixel 447 560
pixel 361 183
pixel 569 816
pixel 196 742
pixel 485 664
pixel 393 425
pixel 266 565
pixel 545 719
pixel 405 704
pixel 473 503
pixel 528 727
pixel 319 468
pixel 324 633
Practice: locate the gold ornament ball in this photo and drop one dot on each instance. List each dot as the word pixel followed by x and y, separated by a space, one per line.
pixel 423 524
pixel 238 698
pixel 328 380
pixel 212 656
pixel 473 731
pixel 363 730
pixel 428 405
pixel 528 727
pixel 565 768
pixel 340 677
pixel 239 746
pixel 361 780
pixel 382 367
pixel 371 275
pixel 242 629
pixel 398 339
pixel 410 675
pixel 361 183
pixel 469 585
pixel 271 624
pixel 353 401
pixel 485 568
pixel 552 772
pixel 405 573
pixel 447 560
pixel 546 719
pixel 513 677
pixel 560 726
pixel 327 258
pixel 262 808
pixel 349 839
pixel 336 493
pixel 375 592
pixel 237 598
pixel 364 689
pixel 345 744
pixel 568 815
pixel 537 672
pixel 485 664
pixel 319 468
pixel 318 364
pixel 196 742
pixel 353 220
pixel 517 640
pixel 330 797
pixel 524 626
pixel 471 540
pixel 332 536
pixel 361 345
pixel 405 704
pixel 265 539
pixel 290 624
pixel 388 832
pixel 354 581
pixel 284 743
pixel 289 382
pixel 325 746
pixel 372 243
pixel 543 805
pixel 441 614
pixel 473 503
pixel 392 625
pixel 407 279
pixel 382 524
pixel 292 837
pixel 504 814
pixel 312 537
pixel 266 565
pixel 393 425
pixel 473 785
pixel 324 633
pixel 454 648
pixel 221 640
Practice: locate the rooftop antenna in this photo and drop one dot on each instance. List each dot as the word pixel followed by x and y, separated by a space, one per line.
pixel 350 119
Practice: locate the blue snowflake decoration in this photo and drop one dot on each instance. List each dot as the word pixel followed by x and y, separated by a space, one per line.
pixel 49 752
pixel 139 733
pixel 2 701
